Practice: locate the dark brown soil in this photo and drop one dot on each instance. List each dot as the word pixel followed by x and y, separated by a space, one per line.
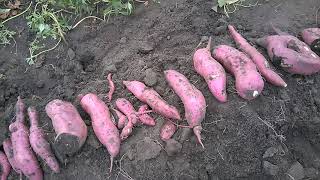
pixel 236 135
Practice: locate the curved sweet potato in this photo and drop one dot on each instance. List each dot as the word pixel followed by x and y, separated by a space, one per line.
pixel 8 150
pixel 249 82
pixel 192 99
pixel 212 71
pixel 152 98
pixel 145 118
pixel 102 124
pixel 311 36
pixel 70 128
pixel 122 119
pixel 293 55
pixel 260 61
pixel 38 142
pixel 167 130
pixel 23 154
pixel 5 166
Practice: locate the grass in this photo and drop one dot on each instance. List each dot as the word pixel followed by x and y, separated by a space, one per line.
pixel 52 19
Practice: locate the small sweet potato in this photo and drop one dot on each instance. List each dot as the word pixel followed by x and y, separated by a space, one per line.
pixel 111 87
pixel 311 36
pixel 122 119
pixel 5 166
pixel 103 127
pixel 211 71
pixel 167 130
pixel 8 150
pixel 192 99
pixel 249 82
pixel 23 154
pixel 38 142
pixel 293 55
pixel 145 118
pixel 262 64
pixel 152 98
pixel 70 128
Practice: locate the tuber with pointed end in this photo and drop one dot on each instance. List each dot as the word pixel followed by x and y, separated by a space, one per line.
pixel 192 99
pixel 70 128
pixel 145 118
pixel 103 127
pixel 260 61
pixel 152 98
pixel 249 82
pixel 167 130
pixel 293 55
pixel 311 36
pixel 24 156
pixel 5 166
pixel 111 87
pixel 122 119
pixel 38 142
pixel 212 71
pixel 8 150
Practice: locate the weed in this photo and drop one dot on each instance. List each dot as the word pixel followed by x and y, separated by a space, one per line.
pixel 5 35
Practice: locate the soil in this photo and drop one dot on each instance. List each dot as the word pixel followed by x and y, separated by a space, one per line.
pixel 274 136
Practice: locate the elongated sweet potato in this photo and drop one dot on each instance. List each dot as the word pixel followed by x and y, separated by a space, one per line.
pixel 111 87
pixel 260 61
pixel 38 142
pixel 8 150
pixel 23 154
pixel 127 108
pixel 167 130
pixel 5 166
pixel 102 124
pixel 311 36
pixel 211 71
pixel 70 128
pixel 293 55
pixel 249 82
pixel 152 98
pixel 192 99
pixel 145 118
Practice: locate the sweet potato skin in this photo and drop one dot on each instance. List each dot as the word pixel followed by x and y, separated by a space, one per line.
pixel 153 99
pixel 167 130
pixel 293 55
pixel 127 108
pixel 249 82
pixel 311 36
pixel 8 150
pixel 192 99
pixel 38 142
pixel 105 130
pixel 262 64
pixel 145 118
pixel 122 119
pixel 212 71
pixel 5 166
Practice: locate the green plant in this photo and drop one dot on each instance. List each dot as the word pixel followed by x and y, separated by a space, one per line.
pixel 5 35
pixel 230 6
pixel 116 7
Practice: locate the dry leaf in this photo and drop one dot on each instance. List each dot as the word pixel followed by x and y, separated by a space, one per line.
pixel 16 5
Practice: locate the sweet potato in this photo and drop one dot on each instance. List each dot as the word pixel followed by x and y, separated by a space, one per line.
pixel 70 128
pixel 260 61
pixel 8 150
pixel 293 55
pixel 145 118
pixel 5 166
pixel 212 71
pixel 122 119
pixel 152 98
pixel 167 130
pixel 249 82
pixel 311 36
pixel 192 99
pixel 126 108
pixel 111 87
pixel 103 127
pixel 38 142
pixel 23 154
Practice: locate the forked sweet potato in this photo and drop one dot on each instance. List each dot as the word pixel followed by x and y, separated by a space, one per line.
pixel 145 118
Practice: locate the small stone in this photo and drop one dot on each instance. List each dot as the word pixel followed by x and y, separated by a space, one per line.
pixel 204 38
pixel 222 21
pixel 240 27
pixel 168 37
pixel 271 151
pixel 123 40
pixel 40 84
pixel 71 54
pixel 220 30
pixel 145 47
pixel 311 173
pixel 270 169
pixel 150 78
pixel 110 68
pixel 296 171
pixel 295 110
pixel 172 147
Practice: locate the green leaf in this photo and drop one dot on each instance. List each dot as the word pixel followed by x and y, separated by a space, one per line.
pixel 3 11
pixel 221 3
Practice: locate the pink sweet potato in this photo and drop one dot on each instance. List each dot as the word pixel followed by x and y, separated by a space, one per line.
pixel 152 98
pixel 5 166
pixel 192 99
pixel 167 130
pixel 311 36
pixel 249 82
pixel 293 55
pixel 111 87
pixel 38 142
pixel 260 61
pixel 70 128
pixel 122 119
pixel 103 127
pixel 8 150
pixel 211 71
pixel 23 154
pixel 145 118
